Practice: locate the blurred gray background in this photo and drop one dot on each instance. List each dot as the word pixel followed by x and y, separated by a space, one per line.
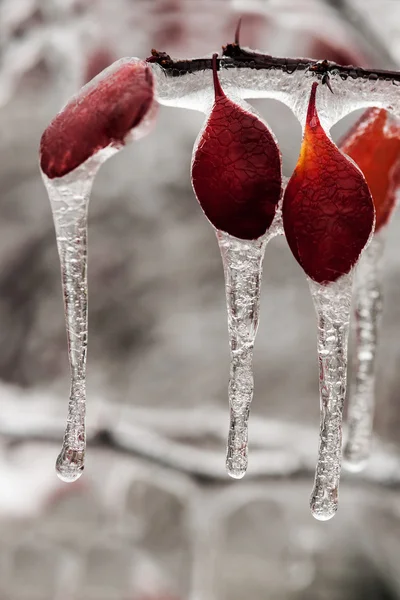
pixel 154 517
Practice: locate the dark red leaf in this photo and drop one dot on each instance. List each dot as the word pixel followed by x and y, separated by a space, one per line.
pixel 102 114
pixel 236 170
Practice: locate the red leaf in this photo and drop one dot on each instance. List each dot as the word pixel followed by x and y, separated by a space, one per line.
pixel 236 169
pixel 374 144
pixel 102 114
pixel 328 213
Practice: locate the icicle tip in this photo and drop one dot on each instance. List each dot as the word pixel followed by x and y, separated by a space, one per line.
pixel 70 464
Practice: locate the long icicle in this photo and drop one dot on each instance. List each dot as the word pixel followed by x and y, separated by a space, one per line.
pixel 374 145
pixel 332 304
pixel 242 261
pixel 368 310
pixel 69 198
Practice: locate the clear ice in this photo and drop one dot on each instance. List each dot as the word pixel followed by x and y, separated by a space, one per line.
pixel 69 199
pixel 190 90
pixel 332 304
pixel 368 309
pixel 243 262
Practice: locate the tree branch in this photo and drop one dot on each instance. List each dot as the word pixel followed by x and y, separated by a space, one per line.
pixel 233 56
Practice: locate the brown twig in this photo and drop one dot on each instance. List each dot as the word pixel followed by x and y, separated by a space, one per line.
pixel 233 56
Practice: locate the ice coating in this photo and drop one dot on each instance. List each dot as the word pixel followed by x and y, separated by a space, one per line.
pixel 237 179
pixel 188 89
pixel 69 199
pixel 332 304
pixel 103 113
pixel 242 261
pixel 368 310
pixel 328 213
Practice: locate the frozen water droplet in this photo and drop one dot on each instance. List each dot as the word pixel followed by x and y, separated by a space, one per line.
pixel 69 199
pixel 242 261
pixel 368 311
pixel 332 304
pixel 70 464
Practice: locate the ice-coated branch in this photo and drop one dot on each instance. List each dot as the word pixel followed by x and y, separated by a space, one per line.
pixel 235 56
pixel 252 74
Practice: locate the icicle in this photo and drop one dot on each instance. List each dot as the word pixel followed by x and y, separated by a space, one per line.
pixel 332 303
pixel 328 217
pixel 374 144
pixel 368 309
pixel 69 198
pixel 236 175
pixel 242 261
pixel 113 108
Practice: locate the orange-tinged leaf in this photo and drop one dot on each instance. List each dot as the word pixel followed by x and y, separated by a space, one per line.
pixel 328 213
pixel 374 144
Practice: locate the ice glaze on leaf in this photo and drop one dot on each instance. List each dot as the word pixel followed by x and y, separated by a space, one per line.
pixel 374 144
pixel 236 169
pixel 328 213
pixel 102 114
